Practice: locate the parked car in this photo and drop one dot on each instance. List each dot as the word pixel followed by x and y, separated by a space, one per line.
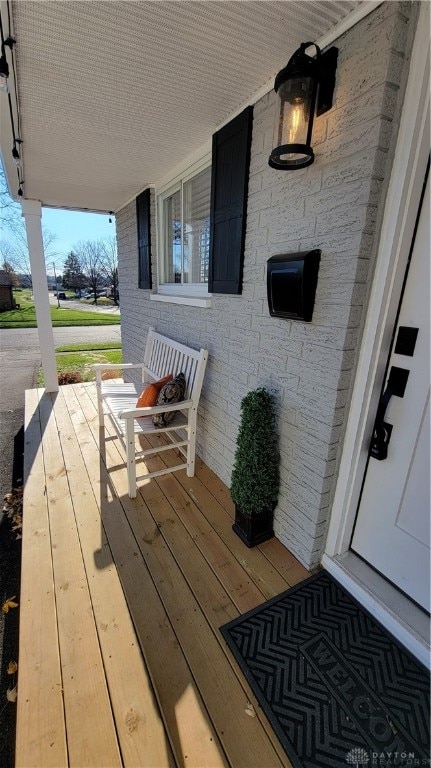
pixel 62 295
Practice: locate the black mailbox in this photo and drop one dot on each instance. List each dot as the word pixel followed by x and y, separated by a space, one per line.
pixel 291 284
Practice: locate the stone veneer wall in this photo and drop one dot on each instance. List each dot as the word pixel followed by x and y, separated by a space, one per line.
pixel 336 205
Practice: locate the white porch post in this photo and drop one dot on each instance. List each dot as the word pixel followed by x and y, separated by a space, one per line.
pixel 32 213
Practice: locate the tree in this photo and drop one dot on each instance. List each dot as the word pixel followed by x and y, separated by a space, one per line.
pixel 10 211
pixel 91 257
pixel 13 246
pixel 73 276
pixel 110 265
pixel 14 249
pixel 7 253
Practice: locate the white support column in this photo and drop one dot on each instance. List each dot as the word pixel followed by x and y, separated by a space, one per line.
pixel 32 213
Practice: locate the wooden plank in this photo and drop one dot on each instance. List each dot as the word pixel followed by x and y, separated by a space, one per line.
pixel 192 737
pixel 196 600
pixel 286 564
pixel 267 578
pixel 138 721
pixel 207 588
pixel 243 738
pixel 289 568
pixel 41 733
pixel 91 736
pixel 209 492
pixel 210 588
pixel 236 583
pixel 243 592
pixel 217 487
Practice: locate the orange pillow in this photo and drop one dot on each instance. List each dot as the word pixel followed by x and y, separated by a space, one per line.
pixel 149 395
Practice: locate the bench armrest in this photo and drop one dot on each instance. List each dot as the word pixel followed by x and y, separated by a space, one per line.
pixel 98 369
pixel 138 413
pixel 104 366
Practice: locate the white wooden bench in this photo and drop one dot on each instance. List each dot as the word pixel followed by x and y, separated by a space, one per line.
pixel 117 399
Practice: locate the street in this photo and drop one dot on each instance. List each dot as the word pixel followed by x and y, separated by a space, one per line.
pixel 77 304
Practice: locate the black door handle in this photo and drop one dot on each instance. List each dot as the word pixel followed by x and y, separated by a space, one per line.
pixel 396 385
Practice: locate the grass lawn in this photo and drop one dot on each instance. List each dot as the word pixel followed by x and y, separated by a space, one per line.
pixel 25 316
pixel 101 301
pixel 77 358
pixel 85 347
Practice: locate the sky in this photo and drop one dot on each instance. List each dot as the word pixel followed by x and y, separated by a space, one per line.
pixel 69 227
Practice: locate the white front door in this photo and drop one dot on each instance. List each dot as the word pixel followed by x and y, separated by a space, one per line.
pixel 392 530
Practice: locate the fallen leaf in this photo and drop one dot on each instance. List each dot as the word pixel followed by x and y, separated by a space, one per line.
pixel 13 507
pixel 12 667
pixel 9 603
pixel 250 710
pixel 392 726
pixel 11 694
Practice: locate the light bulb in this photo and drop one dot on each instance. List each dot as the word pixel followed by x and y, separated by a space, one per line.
pixel 296 116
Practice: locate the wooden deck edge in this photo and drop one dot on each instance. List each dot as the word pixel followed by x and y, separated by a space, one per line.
pixel 41 731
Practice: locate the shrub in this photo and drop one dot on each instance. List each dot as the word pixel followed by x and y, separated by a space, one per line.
pixel 69 377
pixel 255 476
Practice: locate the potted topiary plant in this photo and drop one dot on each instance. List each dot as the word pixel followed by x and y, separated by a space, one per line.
pixel 255 476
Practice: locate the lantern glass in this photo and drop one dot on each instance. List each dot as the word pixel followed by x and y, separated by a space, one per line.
pixel 294 120
pixel 294 98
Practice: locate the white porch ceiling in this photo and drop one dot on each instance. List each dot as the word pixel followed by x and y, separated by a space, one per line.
pixel 114 94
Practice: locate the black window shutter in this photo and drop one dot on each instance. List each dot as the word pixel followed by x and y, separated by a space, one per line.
pixel 229 187
pixel 144 238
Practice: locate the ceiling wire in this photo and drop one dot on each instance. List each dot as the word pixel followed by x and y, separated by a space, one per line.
pixel 16 139
pixel 18 110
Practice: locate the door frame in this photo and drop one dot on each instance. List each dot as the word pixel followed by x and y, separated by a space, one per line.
pixel 397 229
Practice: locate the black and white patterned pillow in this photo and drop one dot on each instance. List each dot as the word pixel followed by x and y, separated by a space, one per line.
pixel 172 392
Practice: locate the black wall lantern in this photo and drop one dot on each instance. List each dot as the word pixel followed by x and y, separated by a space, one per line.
pixel 304 87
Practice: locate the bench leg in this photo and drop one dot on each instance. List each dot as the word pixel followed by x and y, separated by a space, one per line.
pixel 131 462
pixel 191 448
pixel 100 405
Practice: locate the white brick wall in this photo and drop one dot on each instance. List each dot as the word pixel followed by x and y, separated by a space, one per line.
pixel 335 205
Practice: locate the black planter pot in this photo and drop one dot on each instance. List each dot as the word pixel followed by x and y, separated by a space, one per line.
pixel 253 529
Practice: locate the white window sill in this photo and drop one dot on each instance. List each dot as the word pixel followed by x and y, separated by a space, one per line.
pixel 190 301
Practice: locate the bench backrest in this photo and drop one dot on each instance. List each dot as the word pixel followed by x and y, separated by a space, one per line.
pixel 164 356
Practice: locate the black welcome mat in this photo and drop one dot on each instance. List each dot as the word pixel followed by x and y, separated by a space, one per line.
pixel 336 688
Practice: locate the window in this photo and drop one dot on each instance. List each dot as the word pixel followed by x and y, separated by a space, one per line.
pixel 184 227
pixel 202 222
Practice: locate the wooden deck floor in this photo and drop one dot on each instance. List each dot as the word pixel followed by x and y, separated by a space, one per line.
pixel 121 660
